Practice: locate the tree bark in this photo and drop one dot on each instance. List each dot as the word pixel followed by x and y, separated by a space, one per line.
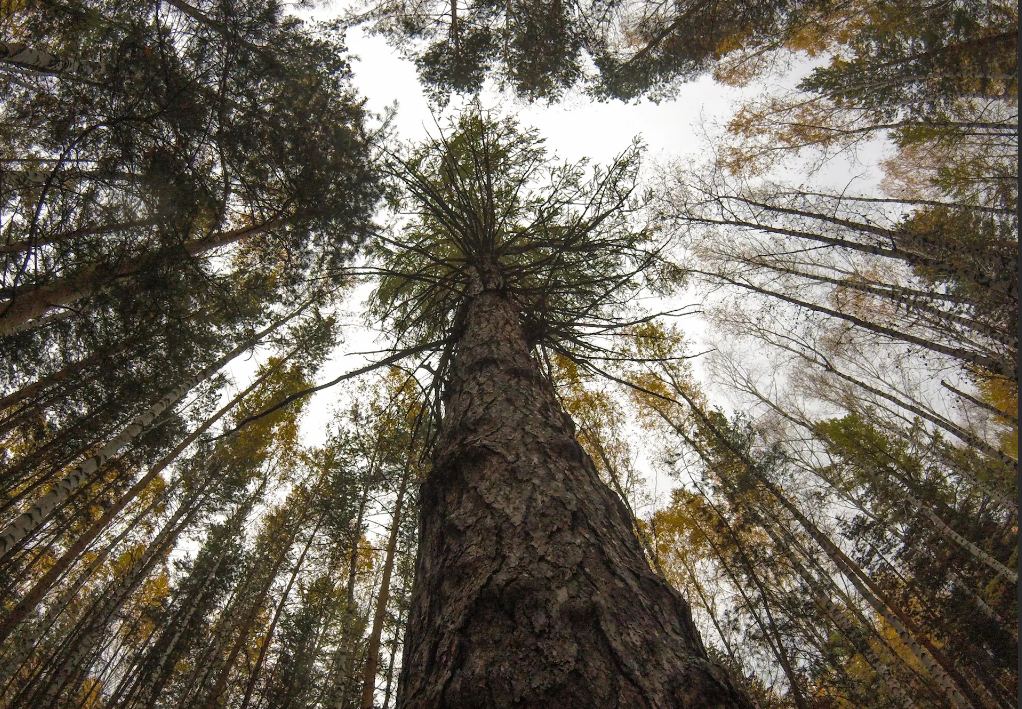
pixel 31 519
pixel 268 637
pixel 71 554
pixel 249 620
pixel 531 588
pixel 36 60
pixel 978 359
pixel 373 650
pixel 62 291
pixel 339 699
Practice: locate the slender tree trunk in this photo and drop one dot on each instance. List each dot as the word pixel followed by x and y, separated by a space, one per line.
pixel 158 677
pixel 373 650
pixel 939 667
pixel 29 244
pixel 23 647
pixel 388 690
pixel 996 366
pixel 824 364
pixel 848 628
pixel 268 637
pixel 769 628
pixel 39 300
pixel 894 251
pixel 531 588
pixel 982 404
pixel 30 390
pixel 213 698
pixel 912 301
pixel 48 319
pixel 983 606
pixel 31 519
pixel 30 599
pixel 81 641
pixel 340 689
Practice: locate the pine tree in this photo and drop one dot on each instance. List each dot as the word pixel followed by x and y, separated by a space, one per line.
pixel 531 586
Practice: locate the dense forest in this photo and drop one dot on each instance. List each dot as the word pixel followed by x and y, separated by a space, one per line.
pixel 651 433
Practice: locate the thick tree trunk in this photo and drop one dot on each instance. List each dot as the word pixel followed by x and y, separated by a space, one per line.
pixel 531 589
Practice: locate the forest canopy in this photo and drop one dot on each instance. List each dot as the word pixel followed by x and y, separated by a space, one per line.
pixel 298 412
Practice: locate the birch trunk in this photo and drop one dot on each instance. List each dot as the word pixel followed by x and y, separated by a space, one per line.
pixel 23 647
pixel 157 679
pixel 936 664
pixel 769 628
pixel 35 303
pixel 977 554
pixel 531 588
pixel 82 640
pixel 36 60
pixel 47 319
pixel 31 519
pixel 837 616
pixel 995 365
pixel 30 599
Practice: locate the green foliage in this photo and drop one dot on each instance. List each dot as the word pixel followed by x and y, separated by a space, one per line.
pixel 492 211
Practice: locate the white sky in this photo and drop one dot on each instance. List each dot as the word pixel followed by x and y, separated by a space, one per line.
pixel 574 128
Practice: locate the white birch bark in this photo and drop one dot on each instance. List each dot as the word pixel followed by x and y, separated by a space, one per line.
pixel 846 626
pixel 974 551
pixel 983 606
pixel 37 60
pixel 862 584
pixel 39 322
pixel 34 517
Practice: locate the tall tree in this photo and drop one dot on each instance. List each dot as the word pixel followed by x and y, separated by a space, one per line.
pixel 531 586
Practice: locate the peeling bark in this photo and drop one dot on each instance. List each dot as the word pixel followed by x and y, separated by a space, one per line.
pixel 531 588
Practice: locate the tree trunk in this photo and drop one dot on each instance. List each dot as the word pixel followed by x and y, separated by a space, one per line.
pixel 373 650
pixel 37 301
pixel 31 519
pixel 79 643
pixel 997 366
pixel 939 667
pixel 71 554
pixel 268 637
pixel 340 687
pixel 395 641
pixel 36 60
pixel 531 588
pixel 16 247
pixel 770 632
pixel 249 619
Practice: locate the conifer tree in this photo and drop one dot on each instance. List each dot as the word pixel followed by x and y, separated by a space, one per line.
pixel 531 586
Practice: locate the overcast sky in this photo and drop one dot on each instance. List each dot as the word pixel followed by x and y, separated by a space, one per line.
pixel 574 128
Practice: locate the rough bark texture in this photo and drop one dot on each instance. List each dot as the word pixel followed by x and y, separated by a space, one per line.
pixel 531 589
